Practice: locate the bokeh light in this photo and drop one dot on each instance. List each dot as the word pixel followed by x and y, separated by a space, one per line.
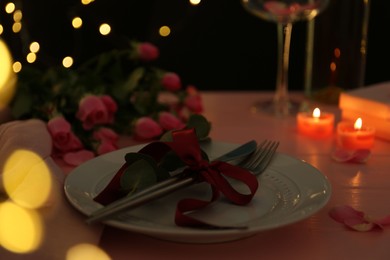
pixel 86 2
pixel 9 8
pixel 20 228
pixel 18 16
pixel 67 62
pixel 86 251
pixel 27 180
pixel 17 66
pixel 77 22
pixel 164 31
pixel 17 27
pixel 31 57
pixel 195 2
pixel 104 29
pixel 34 47
pixel 8 78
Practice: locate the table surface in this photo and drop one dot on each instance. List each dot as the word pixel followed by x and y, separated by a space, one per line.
pixel 362 186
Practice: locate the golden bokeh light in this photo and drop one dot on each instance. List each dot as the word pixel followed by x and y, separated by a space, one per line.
pixel 67 62
pixel 86 2
pixel 8 78
pixel 27 179
pixel 17 66
pixel 1 29
pixel 34 47
pixel 17 27
pixel 86 251
pixel 104 29
pixel 18 16
pixel 10 7
pixel 77 22
pixel 164 31
pixel 31 57
pixel 20 228
pixel 195 2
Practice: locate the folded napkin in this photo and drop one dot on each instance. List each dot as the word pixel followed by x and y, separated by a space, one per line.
pixel 162 157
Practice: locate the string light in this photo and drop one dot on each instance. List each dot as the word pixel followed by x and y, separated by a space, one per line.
pixel 104 29
pixel 34 47
pixel 86 2
pixel 164 31
pixel 17 27
pixel 17 66
pixel 18 16
pixel 195 2
pixel 77 22
pixel 67 62
pixel 31 57
pixel 10 8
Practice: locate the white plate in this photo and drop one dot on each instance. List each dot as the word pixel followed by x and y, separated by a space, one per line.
pixel 290 190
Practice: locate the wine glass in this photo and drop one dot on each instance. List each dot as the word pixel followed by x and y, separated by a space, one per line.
pixel 284 13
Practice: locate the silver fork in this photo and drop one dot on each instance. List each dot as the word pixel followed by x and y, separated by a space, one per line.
pixel 256 163
pixel 261 157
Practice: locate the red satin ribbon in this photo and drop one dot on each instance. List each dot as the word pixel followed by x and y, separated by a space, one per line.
pixel 185 145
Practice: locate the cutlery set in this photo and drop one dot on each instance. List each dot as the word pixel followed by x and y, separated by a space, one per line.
pixel 250 156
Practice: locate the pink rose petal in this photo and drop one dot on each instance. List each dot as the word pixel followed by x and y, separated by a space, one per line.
pixel 383 221
pixel 341 213
pixel 77 158
pixel 356 220
pixel 356 156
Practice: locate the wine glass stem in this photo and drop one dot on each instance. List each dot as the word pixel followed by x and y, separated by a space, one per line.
pixel 281 98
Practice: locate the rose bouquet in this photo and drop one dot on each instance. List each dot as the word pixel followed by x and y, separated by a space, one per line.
pixel 117 92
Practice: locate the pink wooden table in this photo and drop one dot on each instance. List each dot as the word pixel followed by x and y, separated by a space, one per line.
pixel 363 186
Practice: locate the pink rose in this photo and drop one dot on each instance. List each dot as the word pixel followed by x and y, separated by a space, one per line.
pixel 105 134
pixel 147 128
pixel 168 121
pixel 64 139
pixel 194 103
pixel 147 51
pixel 107 138
pixel 171 81
pixel 95 110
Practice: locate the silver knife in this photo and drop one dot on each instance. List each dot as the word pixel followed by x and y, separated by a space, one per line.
pixel 164 187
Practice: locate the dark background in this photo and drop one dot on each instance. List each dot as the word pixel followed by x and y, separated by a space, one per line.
pixel 216 45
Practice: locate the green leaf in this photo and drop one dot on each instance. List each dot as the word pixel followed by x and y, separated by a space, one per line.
pixel 201 125
pixel 140 174
pixel 134 78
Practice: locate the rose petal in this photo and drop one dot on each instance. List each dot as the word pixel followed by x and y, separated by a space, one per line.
pixel 363 227
pixel 356 220
pixel 356 156
pixel 361 156
pixel 77 158
pixel 383 221
pixel 342 155
pixel 341 213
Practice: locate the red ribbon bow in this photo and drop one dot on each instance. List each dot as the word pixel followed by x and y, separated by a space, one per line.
pixel 185 145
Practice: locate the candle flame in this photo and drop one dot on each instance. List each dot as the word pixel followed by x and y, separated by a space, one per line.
pixel 358 124
pixel 316 113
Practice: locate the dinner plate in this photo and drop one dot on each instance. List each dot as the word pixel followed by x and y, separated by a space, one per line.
pixel 290 190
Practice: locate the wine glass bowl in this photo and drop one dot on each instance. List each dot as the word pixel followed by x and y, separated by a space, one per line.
pixel 284 13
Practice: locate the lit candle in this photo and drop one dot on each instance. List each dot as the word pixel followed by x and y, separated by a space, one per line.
pixel 355 136
pixel 317 124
